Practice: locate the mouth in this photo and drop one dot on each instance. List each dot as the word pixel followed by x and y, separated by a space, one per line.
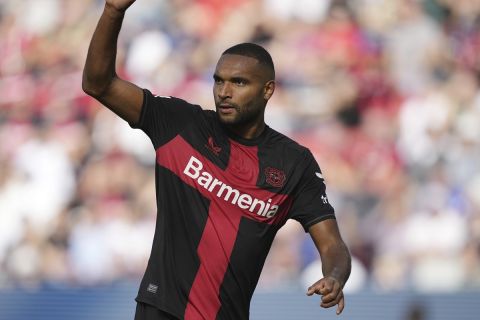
pixel 226 108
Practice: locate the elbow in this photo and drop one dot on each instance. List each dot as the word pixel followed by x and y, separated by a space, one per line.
pixel 95 89
pixel 88 89
pixel 92 90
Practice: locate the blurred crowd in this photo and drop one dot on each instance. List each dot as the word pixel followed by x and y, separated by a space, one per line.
pixel 385 93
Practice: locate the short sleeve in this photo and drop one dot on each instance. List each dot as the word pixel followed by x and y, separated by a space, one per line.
pixel 162 118
pixel 310 204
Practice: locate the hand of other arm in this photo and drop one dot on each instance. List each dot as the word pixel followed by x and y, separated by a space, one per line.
pixel 336 264
pixel 99 77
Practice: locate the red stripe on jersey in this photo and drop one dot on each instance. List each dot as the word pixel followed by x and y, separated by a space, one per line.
pixel 214 252
pixel 224 214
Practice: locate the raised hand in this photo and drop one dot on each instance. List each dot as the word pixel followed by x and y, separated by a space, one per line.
pixel 100 79
pixel 119 5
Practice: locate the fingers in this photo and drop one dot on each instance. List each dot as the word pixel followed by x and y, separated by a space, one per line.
pixel 329 288
pixel 331 292
pixel 321 287
pixel 317 288
pixel 330 302
pixel 341 305
pixel 310 291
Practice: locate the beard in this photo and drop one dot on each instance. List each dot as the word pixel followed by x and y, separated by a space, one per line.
pixel 237 116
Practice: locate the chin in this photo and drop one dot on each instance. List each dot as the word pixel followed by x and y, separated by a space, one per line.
pixel 227 120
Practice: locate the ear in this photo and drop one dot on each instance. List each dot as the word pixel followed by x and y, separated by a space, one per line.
pixel 269 89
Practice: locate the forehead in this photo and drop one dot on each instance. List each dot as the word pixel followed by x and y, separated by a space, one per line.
pixel 236 65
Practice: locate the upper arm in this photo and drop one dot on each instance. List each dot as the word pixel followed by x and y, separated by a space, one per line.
pixel 124 98
pixel 164 117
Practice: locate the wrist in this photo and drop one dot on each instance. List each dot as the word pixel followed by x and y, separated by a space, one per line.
pixel 337 279
pixel 113 12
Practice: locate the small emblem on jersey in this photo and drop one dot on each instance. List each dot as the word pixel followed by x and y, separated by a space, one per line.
pixel 211 145
pixel 275 177
pixel 152 288
pixel 324 199
pixel 319 174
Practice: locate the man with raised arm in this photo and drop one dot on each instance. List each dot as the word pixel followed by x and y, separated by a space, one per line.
pixel 225 184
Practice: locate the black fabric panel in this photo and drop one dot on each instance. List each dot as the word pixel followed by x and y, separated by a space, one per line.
pixel 162 118
pixel 174 261
pixel 147 312
pixel 207 137
pixel 249 253
pixel 281 154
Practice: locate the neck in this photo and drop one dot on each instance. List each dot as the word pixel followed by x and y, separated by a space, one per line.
pixel 251 132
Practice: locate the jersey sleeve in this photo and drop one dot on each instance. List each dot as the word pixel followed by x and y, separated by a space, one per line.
pixel 162 118
pixel 310 204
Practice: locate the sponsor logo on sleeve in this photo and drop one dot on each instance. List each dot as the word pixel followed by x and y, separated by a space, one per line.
pixel 152 288
pixel 324 199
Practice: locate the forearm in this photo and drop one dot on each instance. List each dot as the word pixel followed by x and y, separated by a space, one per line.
pixel 337 262
pixel 99 68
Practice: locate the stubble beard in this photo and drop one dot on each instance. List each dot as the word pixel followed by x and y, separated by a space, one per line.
pixel 238 118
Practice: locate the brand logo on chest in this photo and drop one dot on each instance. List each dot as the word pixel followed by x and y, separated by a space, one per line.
pixel 264 208
pixel 212 146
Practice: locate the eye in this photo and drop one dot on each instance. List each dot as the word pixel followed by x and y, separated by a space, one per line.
pixel 217 80
pixel 240 82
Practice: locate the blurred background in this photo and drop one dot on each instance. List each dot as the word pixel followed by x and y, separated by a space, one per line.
pixel 385 93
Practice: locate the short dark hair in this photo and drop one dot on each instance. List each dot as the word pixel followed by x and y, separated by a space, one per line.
pixel 255 51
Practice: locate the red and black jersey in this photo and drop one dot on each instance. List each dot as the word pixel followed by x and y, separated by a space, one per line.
pixel 221 199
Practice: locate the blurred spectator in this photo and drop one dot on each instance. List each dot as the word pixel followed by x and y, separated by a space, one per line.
pixel 384 92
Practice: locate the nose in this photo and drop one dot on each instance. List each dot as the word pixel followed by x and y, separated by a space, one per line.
pixel 224 91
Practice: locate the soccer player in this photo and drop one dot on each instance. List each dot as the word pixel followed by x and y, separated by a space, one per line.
pixel 225 184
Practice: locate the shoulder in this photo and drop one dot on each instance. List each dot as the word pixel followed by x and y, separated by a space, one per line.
pixel 169 101
pixel 287 145
pixel 281 153
pixel 209 114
